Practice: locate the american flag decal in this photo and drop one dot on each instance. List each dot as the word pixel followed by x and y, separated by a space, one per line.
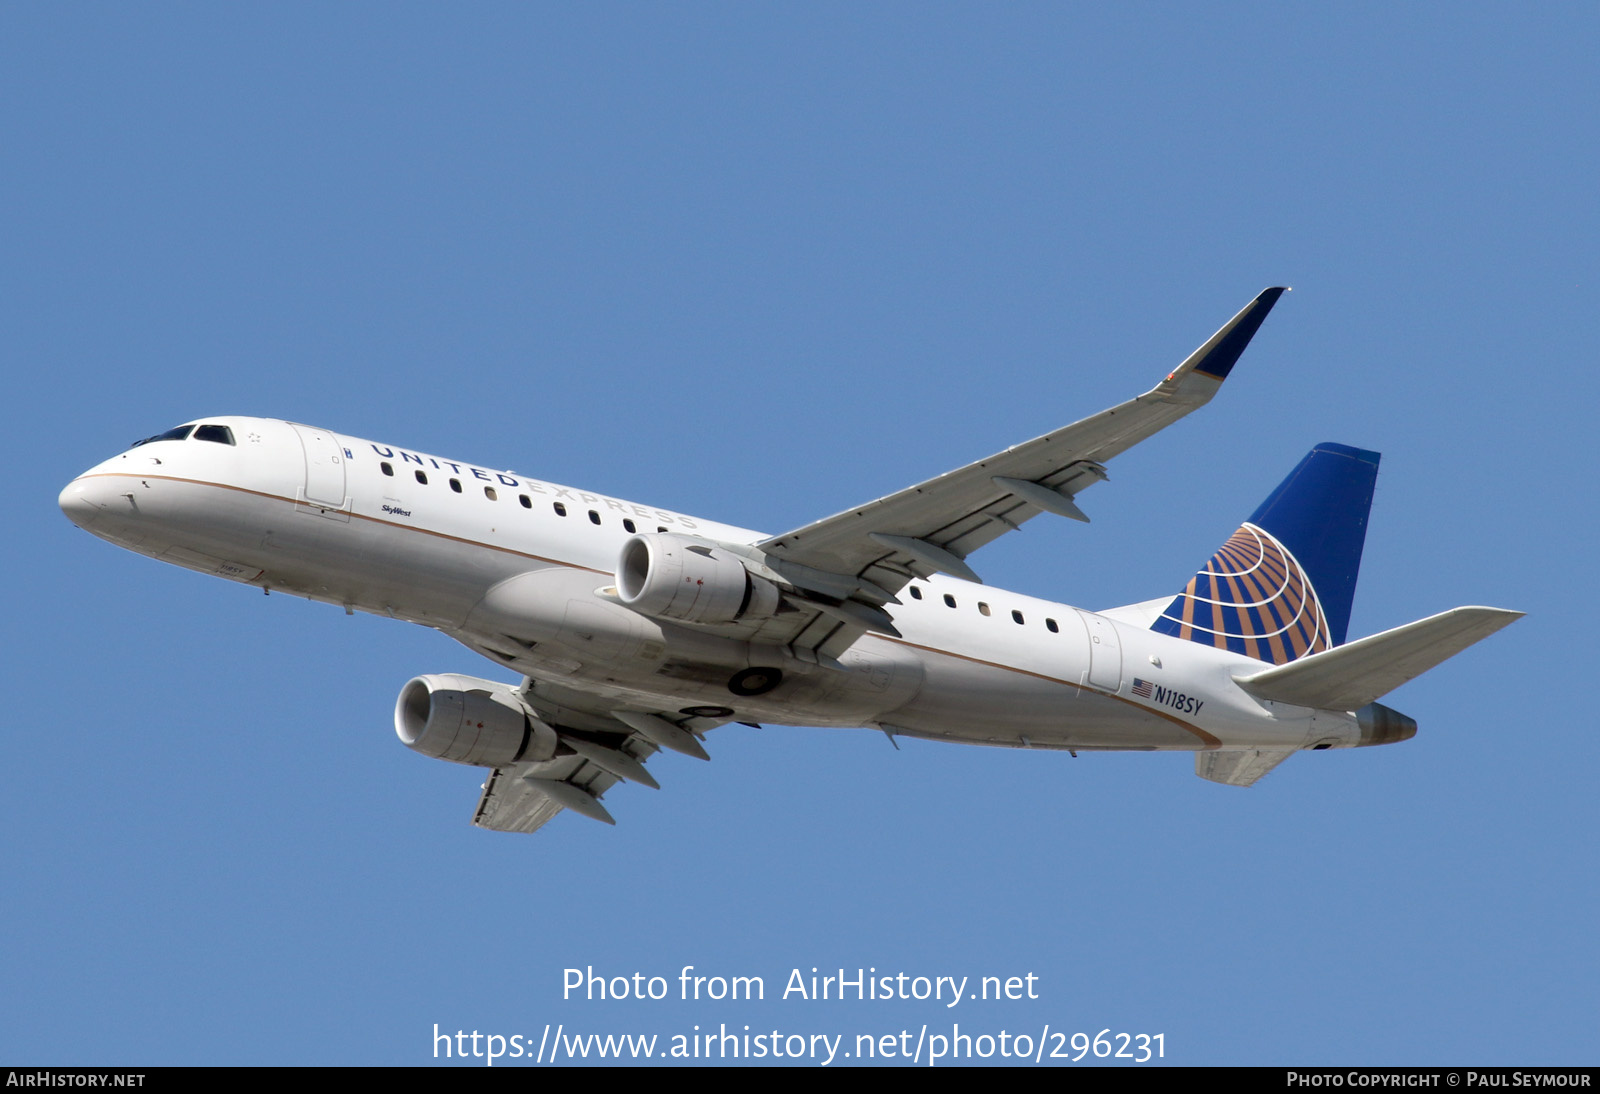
pixel 1141 688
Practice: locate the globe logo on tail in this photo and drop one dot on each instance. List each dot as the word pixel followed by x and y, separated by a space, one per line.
pixel 1253 598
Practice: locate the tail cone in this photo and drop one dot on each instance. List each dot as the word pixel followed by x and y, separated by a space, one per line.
pixel 1382 726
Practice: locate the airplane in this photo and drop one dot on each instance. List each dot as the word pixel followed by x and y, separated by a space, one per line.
pixel 637 628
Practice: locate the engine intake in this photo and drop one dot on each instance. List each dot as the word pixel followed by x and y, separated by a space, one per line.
pixel 672 577
pixel 469 721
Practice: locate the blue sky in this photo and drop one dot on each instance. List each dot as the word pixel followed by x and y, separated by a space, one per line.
pixel 761 263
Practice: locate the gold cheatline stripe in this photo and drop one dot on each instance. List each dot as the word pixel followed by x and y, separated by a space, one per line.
pixel 358 516
pixel 1210 741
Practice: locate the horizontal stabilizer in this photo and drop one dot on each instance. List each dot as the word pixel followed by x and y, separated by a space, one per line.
pixel 1238 768
pixel 1352 675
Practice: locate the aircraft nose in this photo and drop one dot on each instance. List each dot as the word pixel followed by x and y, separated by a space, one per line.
pixel 79 503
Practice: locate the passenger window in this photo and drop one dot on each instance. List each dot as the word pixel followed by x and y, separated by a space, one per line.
pixel 949 601
pixel 628 524
pixel 526 504
pixel 594 518
pixel 221 434
pixel 1050 625
pixel 488 492
pixel 561 510
pixel 916 593
pixel 1016 617
pixel 422 478
pixel 660 529
pixel 455 484
pixel 387 470
pixel 983 609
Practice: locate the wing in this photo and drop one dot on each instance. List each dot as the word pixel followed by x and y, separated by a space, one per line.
pixel 599 748
pixel 871 552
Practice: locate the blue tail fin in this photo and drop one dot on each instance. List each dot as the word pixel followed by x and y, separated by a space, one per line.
pixel 1281 587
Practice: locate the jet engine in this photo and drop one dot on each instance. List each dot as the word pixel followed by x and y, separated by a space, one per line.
pixel 672 577
pixel 469 721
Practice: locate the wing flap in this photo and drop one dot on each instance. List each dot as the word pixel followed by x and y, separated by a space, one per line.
pixel 603 747
pixel 509 804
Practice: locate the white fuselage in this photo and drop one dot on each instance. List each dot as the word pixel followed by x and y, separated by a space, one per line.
pixel 522 571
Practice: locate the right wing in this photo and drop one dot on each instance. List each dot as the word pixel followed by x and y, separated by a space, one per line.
pixel 870 552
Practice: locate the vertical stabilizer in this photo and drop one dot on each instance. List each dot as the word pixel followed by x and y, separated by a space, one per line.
pixel 1283 584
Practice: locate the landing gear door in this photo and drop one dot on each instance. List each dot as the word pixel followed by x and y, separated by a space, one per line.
pixel 1105 652
pixel 325 484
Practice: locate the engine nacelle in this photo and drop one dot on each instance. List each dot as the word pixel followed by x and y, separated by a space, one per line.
pixel 672 577
pixel 469 721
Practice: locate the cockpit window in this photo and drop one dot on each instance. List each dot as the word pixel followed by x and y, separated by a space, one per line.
pixel 219 433
pixel 177 434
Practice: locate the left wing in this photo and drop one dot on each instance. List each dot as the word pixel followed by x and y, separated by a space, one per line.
pixel 872 551
pixel 599 747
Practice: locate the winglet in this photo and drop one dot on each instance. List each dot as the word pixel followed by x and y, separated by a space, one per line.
pixel 1222 350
